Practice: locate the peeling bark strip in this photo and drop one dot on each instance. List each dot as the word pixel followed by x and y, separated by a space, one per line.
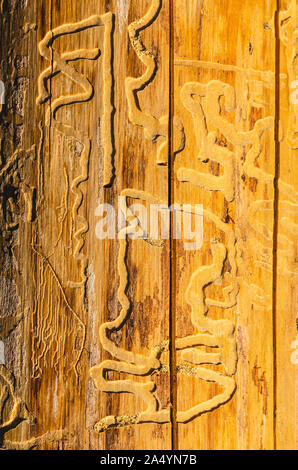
pixel 138 343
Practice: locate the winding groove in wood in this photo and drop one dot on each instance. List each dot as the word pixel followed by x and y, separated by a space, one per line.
pixel 11 171
pixel 153 127
pixel 61 64
pixel 221 333
pixel 70 132
pixel 131 363
pixel 287 237
pixel 207 113
pixel 19 411
pixel 141 365
pixel 79 224
pixel 288 26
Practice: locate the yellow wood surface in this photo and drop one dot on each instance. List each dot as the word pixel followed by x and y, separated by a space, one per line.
pixel 225 96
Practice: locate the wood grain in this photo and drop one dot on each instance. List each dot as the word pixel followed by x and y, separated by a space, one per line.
pixel 155 342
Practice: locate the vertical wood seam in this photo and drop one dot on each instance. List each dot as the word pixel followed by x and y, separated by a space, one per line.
pixel 276 215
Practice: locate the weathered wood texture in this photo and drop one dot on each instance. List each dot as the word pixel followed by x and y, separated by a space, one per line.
pixel 286 278
pixel 148 343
